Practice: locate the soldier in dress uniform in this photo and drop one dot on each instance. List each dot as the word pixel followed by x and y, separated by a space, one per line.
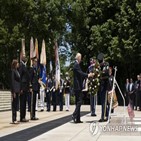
pixel 49 87
pixel 60 93
pixel 92 97
pixel 103 87
pixel 67 91
pixel 34 87
pixel 54 91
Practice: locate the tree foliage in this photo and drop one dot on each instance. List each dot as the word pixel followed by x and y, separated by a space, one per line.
pixel 109 26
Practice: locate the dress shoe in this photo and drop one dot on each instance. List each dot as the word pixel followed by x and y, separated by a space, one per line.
pixel 103 120
pixel 67 110
pixel 42 110
pixel 93 115
pixel 15 122
pixel 79 121
pixel 34 118
pixel 24 120
pixel 74 119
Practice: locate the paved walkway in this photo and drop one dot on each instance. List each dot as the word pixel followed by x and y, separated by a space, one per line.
pixel 59 126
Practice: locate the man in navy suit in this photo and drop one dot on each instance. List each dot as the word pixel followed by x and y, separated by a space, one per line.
pixel 131 94
pixel 34 88
pixel 78 82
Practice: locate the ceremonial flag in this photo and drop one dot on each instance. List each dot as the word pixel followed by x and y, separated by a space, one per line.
pixel 22 53
pixel 50 63
pixel 36 49
pixel 32 50
pixel 43 54
pixel 57 65
pixel 43 75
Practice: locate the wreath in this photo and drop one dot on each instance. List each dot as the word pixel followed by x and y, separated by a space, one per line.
pixel 94 82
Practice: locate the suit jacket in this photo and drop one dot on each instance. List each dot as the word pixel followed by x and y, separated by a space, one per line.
pixel 25 78
pixel 34 79
pixel 15 81
pixel 78 77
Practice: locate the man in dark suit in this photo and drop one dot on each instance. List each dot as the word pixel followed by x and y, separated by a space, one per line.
pixel 78 82
pixel 24 88
pixel 34 87
pixel 131 94
pixel 139 92
pixel 127 91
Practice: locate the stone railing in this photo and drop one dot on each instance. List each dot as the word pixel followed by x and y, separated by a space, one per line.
pixel 5 100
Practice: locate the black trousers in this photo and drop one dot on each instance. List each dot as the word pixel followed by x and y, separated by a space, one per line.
pixel 104 105
pixel 78 102
pixel 23 97
pixel 132 99
pixel 33 103
pixel 54 100
pixel 139 96
pixel 60 100
pixel 48 98
pixel 29 101
pixel 14 107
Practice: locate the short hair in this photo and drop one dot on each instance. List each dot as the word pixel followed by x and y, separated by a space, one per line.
pixel 14 63
pixel 24 59
pixel 77 56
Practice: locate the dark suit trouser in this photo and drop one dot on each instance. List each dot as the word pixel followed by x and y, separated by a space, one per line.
pixel 48 97
pixel 131 100
pixel 60 98
pixel 23 97
pixel 29 100
pixel 139 96
pixel 54 100
pixel 92 103
pixel 103 98
pixel 14 107
pixel 78 102
pixel 33 103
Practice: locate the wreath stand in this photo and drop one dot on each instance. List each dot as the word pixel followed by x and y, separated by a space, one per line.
pixel 124 107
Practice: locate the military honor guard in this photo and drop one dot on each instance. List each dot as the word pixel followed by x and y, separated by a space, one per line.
pixel 54 94
pixel 42 94
pixel 61 93
pixel 93 97
pixel 67 91
pixel 49 88
pixel 103 87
